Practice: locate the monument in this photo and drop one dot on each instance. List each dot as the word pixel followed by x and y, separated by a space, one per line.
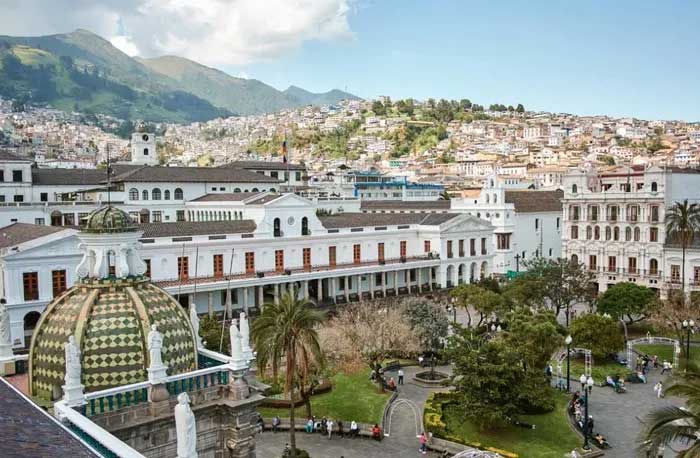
pixel 73 390
pixel 156 370
pixel 185 428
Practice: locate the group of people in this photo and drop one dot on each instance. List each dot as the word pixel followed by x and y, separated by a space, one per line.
pixel 616 382
pixel 327 426
pixel 576 409
pixel 390 384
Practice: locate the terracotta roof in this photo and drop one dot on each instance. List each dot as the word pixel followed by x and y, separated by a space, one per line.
pixel 345 220
pixel 28 432
pixel 17 233
pixel 264 165
pixel 191 228
pixel 8 156
pixel 193 175
pixel 263 199
pixel 405 205
pixel 535 201
pixel 226 197
pixel 90 177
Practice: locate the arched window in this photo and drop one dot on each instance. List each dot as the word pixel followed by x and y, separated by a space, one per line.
pixel 596 233
pixel 276 228
pixel 589 233
pixel 178 194
pixel 637 233
pixel 133 194
pixel 487 198
pixel 144 195
pixel 305 226
pixel 654 186
pixel 574 259
pixel 237 190
pixel 156 195
pixel 272 190
pixel 167 194
pixel 229 215
pixel 608 233
pixel 616 233
pixel 574 189
pixel 628 234
pixel 495 198
pixel 255 189
pixel 653 267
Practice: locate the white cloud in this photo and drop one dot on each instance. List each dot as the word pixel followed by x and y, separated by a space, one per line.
pixel 215 32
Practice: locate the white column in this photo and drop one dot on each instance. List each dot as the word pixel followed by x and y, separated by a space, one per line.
pixel 359 287
pixel 384 278
pixel 192 302
pixel 347 289
pixel 371 285
pixel 306 289
pixel 245 300
pixel 396 282
pixel 430 278
pixel 210 303
pixel 277 293
pixel 319 290
pixel 333 291
pixel 420 280
pixel 261 298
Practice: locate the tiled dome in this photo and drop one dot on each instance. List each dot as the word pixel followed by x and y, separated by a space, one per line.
pixel 108 220
pixel 110 319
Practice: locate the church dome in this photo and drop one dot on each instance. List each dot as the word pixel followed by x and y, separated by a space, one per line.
pixel 108 219
pixel 110 319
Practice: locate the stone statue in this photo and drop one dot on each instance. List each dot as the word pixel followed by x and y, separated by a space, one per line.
pixel 185 428
pixel 5 337
pixel 72 353
pixel 194 319
pixel 122 261
pixel 245 336
pixel 155 345
pixel 236 344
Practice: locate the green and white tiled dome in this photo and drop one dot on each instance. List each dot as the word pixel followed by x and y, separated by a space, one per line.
pixel 110 319
pixel 108 220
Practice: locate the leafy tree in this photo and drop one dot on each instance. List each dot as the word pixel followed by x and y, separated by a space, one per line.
pixel 534 333
pixel 465 104
pixel 378 108
pixel 444 195
pixel 287 332
pixel 430 323
pixel 627 300
pixel 682 225
pixel 563 282
pixel 597 333
pixel 520 108
pixel 484 301
pixel 211 332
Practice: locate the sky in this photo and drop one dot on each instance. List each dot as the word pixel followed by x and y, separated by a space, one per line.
pixel 622 58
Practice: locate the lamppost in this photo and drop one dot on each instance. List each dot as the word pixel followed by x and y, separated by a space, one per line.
pixel 688 326
pixel 452 308
pixel 568 341
pixel 586 387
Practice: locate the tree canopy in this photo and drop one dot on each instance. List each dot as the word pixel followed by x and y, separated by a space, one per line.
pixel 597 333
pixel 627 300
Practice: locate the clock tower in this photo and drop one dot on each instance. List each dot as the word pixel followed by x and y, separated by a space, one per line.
pixel 143 147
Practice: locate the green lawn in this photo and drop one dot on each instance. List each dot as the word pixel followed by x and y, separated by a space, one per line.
pixel 353 397
pixel 599 370
pixel 551 438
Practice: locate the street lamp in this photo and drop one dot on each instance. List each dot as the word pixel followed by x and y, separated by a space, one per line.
pixel 568 341
pixel 586 387
pixel 688 326
pixel 454 310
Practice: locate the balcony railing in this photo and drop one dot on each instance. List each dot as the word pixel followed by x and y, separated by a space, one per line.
pixel 295 270
pixel 623 271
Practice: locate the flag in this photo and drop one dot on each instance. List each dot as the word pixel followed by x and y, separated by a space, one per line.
pixel 284 151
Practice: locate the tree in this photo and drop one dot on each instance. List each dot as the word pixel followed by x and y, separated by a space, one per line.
pixel 444 195
pixel 520 108
pixel 211 332
pixel 563 282
pixel 627 300
pixel 370 332
pixel 288 331
pixel 597 333
pixel 682 225
pixel 378 108
pixel 484 301
pixel 430 323
pixel 534 333
pixel 675 425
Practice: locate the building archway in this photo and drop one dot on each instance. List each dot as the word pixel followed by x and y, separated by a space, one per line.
pixel 461 273
pixel 30 321
pixel 484 269
pixel 448 277
pixel 472 273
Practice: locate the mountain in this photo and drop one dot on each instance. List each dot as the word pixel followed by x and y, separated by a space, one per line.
pixel 244 96
pixel 81 71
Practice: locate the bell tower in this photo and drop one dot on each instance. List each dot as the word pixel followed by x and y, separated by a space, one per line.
pixel 143 147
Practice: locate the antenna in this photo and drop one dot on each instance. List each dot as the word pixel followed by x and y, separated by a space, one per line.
pixel 109 179
pixel 228 302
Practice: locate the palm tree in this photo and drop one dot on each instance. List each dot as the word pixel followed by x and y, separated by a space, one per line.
pixel 671 424
pixel 288 330
pixel 682 224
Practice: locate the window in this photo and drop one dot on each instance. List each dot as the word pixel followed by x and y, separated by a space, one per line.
pixel 593 262
pixel 306 258
pixel 331 256
pixel 380 251
pixel 612 264
pixel 180 215
pixel 593 212
pixel 2 198
pixel 449 248
pixel 461 248
pixel 157 216
pixel 653 267
pixel 44 197
pixel 17 176
pixel 696 275
pixel 557 223
pixel 483 245
pixel 276 228
pixel 166 193
pixel 18 198
pixel 69 219
pixel 402 248
pixel 218 265
pixel 156 194
pixel 654 234
pixel 596 233
pixel 145 151
pixel 654 216
pixel 279 260
pixel 612 212
pixel 503 241
pixel 2 175
pixel 654 186
pixel 183 268
pixel 575 212
pixel 144 195
pixel 298 176
pixel 675 273
pixel 574 232
pixel 628 234
pixel 178 194
pixel 637 233
pixel 574 259
pixel 574 189
pixel 633 213
pixel 616 233
pixel 39 221
pixel 250 262
pixel 58 281
pixel 305 226
pixel 589 232
pixel 472 247
pixel 133 194
pixel 356 253
pixel 537 223
pixel 31 286
pixel 608 233
pixel 632 265
pixel 426 246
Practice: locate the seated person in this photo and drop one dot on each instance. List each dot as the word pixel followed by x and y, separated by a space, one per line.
pixel 601 441
pixel 310 425
pixel 609 381
pixel 376 432
pixel 392 384
pixel 354 429
pixel 259 424
pixel 276 423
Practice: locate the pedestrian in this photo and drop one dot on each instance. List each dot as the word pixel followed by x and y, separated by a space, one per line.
pixel 423 441
pixel 340 428
pixel 275 423
pixel 329 427
pixel 659 390
pixel 665 367
pixel 560 377
pixel 310 425
pixel 400 374
pixel 354 429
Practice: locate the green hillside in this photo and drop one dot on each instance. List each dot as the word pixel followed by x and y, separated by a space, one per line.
pixel 304 97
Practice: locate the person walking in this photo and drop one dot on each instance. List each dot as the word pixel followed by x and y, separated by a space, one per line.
pixel 659 390
pixel 400 374
pixel 423 443
pixel 329 426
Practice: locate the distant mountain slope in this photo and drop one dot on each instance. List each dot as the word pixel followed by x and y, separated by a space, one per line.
pixel 82 71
